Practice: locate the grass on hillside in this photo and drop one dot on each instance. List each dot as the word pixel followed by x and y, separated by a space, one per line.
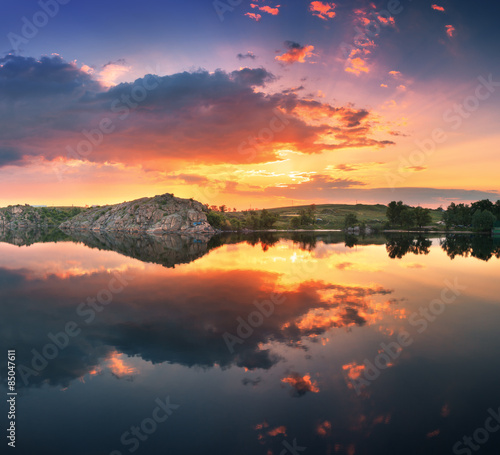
pixel 331 216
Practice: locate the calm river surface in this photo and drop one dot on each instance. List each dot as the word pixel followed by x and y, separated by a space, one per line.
pixel 312 344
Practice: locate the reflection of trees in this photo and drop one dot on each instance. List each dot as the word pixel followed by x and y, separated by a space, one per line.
pixel 399 246
pixel 306 240
pixel 350 240
pixel 22 237
pixel 479 246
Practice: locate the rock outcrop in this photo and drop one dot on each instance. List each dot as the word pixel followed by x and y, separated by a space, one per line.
pixel 156 215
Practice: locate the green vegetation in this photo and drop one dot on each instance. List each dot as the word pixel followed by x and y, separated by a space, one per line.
pixel 481 215
pixel 48 216
pixel 350 220
pixel 253 220
pixel 306 218
pixel 406 217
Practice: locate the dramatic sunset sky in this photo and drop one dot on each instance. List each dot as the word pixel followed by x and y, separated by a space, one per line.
pixel 256 104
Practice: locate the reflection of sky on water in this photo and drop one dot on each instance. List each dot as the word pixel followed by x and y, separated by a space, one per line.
pixel 163 335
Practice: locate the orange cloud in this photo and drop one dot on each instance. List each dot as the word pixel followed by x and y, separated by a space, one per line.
pixel 323 429
pixel 118 366
pixel 450 30
pixel 267 9
pixel 383 85
pixel 357 66
pixel 278 430
pixel 256 17
pixel 353 370
pixel 301 384
pixel 437 8
pixel 386 20
pixel 395 73
pixel 295 53
pixel 323 10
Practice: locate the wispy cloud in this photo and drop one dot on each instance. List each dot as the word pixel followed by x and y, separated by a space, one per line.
pixel 249 55
pixel 255 17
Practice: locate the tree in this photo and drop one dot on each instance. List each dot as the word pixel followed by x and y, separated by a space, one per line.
pixel 267 219
pixel 306 217
pixel 481 206
pixel 458 215
pixel 216 219
pixel 496 209
pixel 235 224
pixel 394 210
pixel 350 220
pixel 222 208
pixel 483 220
pixel 422 216
pixel 295 222
pixel 407 218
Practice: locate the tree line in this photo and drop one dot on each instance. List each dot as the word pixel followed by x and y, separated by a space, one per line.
pixel 480 215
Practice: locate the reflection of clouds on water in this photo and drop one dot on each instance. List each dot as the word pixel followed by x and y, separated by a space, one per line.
pixel 167 317
pixel 301 384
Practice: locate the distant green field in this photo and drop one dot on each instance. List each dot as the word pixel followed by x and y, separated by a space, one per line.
pixel 331 216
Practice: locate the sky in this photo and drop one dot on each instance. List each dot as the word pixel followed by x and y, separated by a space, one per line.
pixel 249 104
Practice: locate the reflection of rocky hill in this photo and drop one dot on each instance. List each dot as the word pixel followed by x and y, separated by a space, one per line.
pixel 22 237
pixel 167 250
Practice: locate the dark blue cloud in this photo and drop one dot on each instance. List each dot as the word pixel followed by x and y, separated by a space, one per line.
pixel 26 77
pixel 9 155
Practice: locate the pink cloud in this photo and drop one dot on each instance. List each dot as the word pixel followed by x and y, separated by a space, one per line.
pixel 437 8
pixel 323 10
pixel 450 30
pixel 256 17
pixel 267 9
pixel 295 53
pixel 357 66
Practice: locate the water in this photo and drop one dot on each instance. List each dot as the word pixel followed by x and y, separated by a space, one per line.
pixel 116 324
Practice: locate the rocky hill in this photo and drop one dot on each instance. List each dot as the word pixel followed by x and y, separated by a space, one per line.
pixel 156 215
